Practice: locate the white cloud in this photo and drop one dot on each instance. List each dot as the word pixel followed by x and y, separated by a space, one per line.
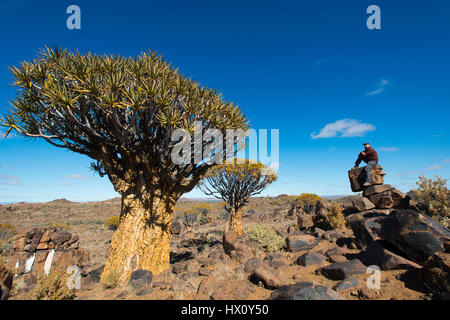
pixel 379 88
pixel 447 160
pixel 391 149
pixel 9 180
pixel 76 177
pixel 345 128
pixel 434 167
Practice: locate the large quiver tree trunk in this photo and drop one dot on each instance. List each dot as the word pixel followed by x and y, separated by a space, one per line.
pixel 142 240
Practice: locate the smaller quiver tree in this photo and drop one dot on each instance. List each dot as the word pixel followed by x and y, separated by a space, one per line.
pixel 235 181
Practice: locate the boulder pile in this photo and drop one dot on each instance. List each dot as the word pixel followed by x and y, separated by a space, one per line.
pixel 40 250
pixel 377 195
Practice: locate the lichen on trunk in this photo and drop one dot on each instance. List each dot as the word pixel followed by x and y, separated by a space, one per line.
pixel 142 240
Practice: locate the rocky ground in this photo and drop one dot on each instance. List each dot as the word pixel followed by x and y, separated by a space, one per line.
pixel 315 261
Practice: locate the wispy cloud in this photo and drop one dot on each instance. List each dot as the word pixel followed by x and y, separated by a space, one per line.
pixel 434 167
pixel 447 160
pixel 379 88
pixel 326 60
pixel 345 128
pixel 65 184
pixel 76 177
pixel 390 149
pixel 9 180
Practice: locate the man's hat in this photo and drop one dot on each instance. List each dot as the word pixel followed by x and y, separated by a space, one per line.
pixel 365 143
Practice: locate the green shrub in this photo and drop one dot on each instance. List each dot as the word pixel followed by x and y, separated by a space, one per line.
pixel 265 238
pixel 53 287
pixel 112 223
pixel 335 218
pixel 433 198
pixel 306 202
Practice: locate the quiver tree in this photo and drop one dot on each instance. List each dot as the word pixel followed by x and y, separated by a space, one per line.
pixel 235 182
pixel 121 112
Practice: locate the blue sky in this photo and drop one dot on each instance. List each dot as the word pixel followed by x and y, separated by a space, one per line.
pixel 296 66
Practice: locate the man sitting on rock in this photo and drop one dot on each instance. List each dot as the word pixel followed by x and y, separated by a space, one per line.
pixel 369 156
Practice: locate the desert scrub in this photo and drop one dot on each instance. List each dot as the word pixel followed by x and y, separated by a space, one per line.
pixel 110 280
pixel 53 287
pixel 6 231
pixel 60 227
pixel 189 217
pixel 335 217
pixel 112 223
pixel 433 198
pixel 203 219
pixel 306 202
pixel 265 238
pixel 203 208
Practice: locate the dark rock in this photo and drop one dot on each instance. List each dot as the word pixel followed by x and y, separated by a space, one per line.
pixel 140 278
pixel 369 294
pixel 178 285
pixel 342 270
pixel 347 284
pixel 95 274
pixel 362 204
pixel 276 260
pixel 6 281
pixel 436 274
pixel 377 254
pixel 227 289
pixel 144 291
pixel 121 295
pixel 175 228
pixel 270 279
pixel 374 189
pixel 413 234
pixel 357 177
pixel 160 284
pixel 382 200
pixel 298 242
pixel 251 264
pixel 332 235
pixel 304 291
pixel 310 259
pixel 337 254
pixel 60 237
pixel 237 248
pixel 229 240
pixel 319 232
pixel 305 221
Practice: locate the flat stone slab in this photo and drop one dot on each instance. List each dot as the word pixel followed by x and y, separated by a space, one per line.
pixel 304 291
pixel 342 270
